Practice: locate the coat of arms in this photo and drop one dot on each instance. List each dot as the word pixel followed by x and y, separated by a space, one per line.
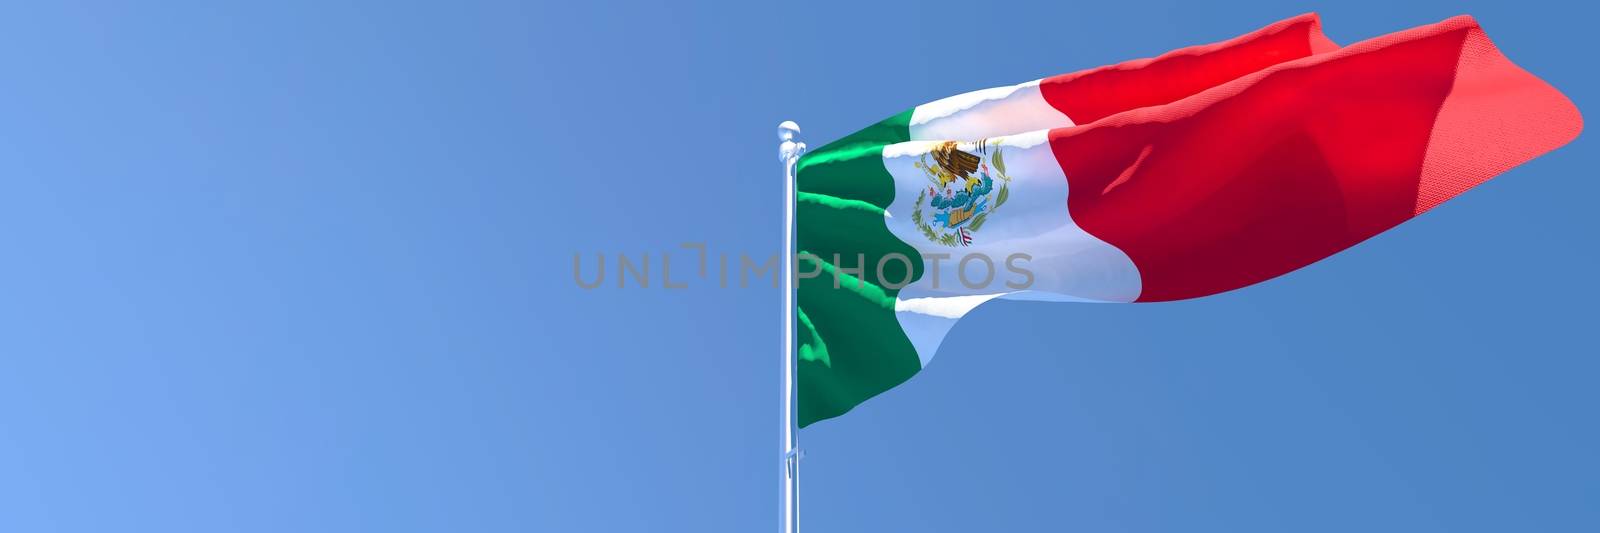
pixel 961 190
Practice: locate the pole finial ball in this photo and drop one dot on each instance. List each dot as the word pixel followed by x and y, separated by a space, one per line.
pixel 788 130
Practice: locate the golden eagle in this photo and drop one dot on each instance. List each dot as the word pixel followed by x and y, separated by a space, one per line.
pixel 956 163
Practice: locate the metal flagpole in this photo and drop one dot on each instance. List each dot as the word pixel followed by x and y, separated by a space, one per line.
pixel 789 151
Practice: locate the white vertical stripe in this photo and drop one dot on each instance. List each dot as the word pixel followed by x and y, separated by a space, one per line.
pixel 1068 264
pixel 986 113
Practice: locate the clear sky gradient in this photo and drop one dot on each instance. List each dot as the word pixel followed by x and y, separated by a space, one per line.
pixel 307 266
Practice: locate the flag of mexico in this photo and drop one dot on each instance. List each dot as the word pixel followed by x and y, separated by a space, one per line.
pixel 1200 171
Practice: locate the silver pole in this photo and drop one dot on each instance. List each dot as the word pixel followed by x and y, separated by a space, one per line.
pixel 789 151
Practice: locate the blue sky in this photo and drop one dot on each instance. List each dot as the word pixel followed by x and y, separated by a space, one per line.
pixel 307 267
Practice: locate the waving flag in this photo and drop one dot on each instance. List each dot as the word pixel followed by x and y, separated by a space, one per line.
pixel 1200 171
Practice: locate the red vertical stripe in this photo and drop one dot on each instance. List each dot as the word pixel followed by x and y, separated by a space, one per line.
pixel 1497 117
pixel 1094 94
pixel 1281 168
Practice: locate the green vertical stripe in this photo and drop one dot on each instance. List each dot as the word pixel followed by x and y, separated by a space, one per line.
pixel 851 346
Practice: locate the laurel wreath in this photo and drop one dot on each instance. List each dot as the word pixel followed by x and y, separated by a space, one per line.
pixel 947 239
pixel 952 238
